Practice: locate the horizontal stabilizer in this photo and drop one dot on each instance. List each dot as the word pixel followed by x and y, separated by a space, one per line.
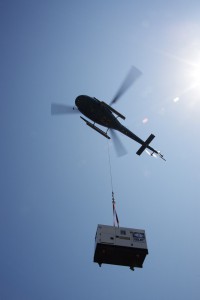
pixel 145 144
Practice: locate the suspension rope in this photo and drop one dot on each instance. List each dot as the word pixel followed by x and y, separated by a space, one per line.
pixel 111 180
pixel 115 217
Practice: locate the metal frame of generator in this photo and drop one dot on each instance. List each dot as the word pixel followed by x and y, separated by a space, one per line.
pixel 120 246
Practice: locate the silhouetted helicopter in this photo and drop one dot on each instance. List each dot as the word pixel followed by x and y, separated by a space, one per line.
pixel 105 115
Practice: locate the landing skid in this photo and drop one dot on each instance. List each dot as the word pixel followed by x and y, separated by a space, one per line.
pixel 95 128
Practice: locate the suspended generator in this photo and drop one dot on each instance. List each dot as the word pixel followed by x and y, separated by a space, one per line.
pixel 120 246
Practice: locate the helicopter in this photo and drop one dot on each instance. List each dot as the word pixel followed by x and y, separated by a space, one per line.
pixel 105 115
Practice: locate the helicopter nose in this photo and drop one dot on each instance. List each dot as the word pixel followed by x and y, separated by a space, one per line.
pixel 77 101
pixel 80 100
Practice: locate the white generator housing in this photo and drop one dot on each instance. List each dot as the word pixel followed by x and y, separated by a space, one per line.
pixel 120 246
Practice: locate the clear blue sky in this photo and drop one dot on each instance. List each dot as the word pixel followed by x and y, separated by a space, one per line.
pixel 54 172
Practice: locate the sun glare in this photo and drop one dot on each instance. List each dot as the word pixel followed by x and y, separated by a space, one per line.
pixel 194 74
pixel 176 99
pixel 191 79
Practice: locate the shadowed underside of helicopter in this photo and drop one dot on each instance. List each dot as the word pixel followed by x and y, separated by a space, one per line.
pixel 101 113
pixel 105 115
pixel 96 111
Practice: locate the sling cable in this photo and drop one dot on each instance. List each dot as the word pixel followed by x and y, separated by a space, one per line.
pixel 115 216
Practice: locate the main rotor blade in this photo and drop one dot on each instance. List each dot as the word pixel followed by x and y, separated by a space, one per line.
pixel 131 77
pixel 61 109
pixel 120 149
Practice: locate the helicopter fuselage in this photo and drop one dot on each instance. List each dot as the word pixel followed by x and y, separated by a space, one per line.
pixel 93 109
pixel 105 115
pixel 101 113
